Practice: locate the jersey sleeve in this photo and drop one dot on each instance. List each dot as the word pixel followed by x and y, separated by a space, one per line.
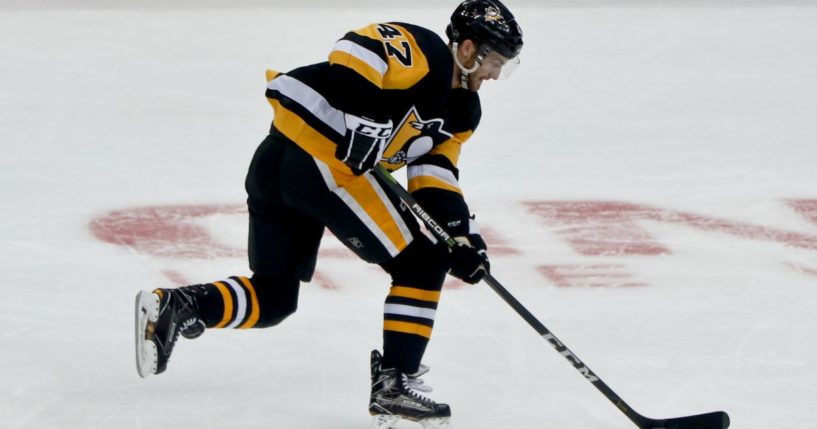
pixel 366 63
pixel 434 177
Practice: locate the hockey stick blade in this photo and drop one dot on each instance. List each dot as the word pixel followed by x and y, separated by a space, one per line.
pixel 716 420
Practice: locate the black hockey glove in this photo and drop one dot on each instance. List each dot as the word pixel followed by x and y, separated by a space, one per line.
pixel 364 143
pixel 469 259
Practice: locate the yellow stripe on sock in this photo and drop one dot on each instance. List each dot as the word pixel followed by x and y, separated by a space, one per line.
pixel 228 304
pixel 410 292
pixel 407 328
pixel 255 313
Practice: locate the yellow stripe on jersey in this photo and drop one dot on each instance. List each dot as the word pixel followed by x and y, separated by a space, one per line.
pixel 407 328
pixel 368 198
pixel 414 293
pixel 421 182
pixel 407 63
pixel 451 148
pixel 256 312
pixel 313 142
pixel 271 74
pixel 369 202
pixel 228 304
pixel 359 65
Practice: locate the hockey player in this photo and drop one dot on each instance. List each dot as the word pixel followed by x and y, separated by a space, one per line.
pixel 394 94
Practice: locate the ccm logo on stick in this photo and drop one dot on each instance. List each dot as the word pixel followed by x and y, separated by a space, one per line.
pixel 571 357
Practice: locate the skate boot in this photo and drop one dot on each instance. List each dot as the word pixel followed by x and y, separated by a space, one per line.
pixel 161 316
pixel 393 398
pixel 414 380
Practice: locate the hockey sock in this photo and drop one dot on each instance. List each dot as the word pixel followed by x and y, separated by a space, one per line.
pixel 408 320
pixel 230 303
pixel 417 274
pixel 243 303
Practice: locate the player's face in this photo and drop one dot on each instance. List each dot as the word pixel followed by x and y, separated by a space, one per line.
pixel 489 69
pixel 492 66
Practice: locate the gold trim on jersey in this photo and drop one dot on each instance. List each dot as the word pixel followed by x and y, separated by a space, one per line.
pixel 421 182
pixel 358 58
pixel 369 202
pixel 375 203
pixel 271 74
pixel 309 139
pixel 429 175
pixel 407 64
pixel 451 148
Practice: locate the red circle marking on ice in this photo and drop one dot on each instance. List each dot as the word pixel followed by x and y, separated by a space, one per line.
pixel 166 231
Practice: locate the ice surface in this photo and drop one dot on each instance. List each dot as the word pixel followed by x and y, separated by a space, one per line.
pixel 688 281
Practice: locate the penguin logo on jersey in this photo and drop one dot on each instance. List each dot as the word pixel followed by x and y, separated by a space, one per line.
pixel 413 138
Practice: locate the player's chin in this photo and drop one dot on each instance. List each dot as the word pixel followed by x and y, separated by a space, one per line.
pixel 475 84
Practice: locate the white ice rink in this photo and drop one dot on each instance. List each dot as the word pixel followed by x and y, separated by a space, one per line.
pixel 646 178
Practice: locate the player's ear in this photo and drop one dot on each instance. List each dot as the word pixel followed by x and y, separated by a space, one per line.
pixel 468 48
pixel 467 52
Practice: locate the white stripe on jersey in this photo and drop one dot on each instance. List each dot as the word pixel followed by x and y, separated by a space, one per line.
pixel 443 174
pixel 401 225
pixel 241 303
pixel 408 310
pixel 311 100
pixel 358 210
pixel 363 54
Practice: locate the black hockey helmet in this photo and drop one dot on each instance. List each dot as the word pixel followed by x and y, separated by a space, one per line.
pixel 487 22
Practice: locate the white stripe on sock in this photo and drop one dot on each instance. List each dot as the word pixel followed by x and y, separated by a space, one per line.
pixel 241 303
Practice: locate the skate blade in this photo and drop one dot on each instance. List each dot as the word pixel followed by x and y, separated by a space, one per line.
pixel 383 421
pixel 147 311
pixel 436 423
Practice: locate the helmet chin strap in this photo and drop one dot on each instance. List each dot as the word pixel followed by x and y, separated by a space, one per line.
pixel 464 72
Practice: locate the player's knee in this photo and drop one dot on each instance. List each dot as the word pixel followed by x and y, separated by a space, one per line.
pixel 277 299
pixel 421 262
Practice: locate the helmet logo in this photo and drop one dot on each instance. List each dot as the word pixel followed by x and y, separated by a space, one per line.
pixel 492 14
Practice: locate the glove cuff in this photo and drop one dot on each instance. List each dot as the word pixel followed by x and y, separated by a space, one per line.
pixel 368 127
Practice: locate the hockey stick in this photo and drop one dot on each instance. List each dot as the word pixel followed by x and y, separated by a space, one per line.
pixel 714 420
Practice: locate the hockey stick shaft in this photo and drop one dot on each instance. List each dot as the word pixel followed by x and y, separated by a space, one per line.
pixel 716 420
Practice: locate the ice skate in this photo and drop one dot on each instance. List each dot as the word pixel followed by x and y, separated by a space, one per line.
pixel 393 398
pixel 161 316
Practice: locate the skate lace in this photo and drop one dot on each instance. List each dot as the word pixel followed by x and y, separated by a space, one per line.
pixel 419 385
pixel 187 315
pixel 413 393
pixel 188 310
pixel 414 380
pixel 188 323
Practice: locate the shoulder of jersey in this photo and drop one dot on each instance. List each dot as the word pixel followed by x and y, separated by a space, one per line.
pixel 464 111
pixel 394 55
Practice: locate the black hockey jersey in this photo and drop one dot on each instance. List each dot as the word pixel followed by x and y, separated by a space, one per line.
pixel 394 71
